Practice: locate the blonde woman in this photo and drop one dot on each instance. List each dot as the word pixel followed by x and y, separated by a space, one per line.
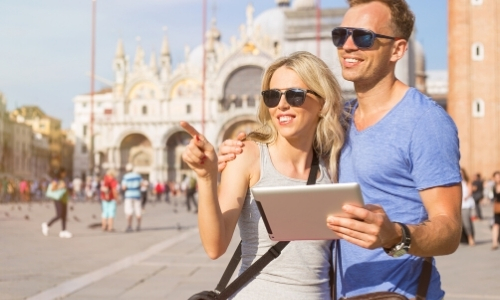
pixel 300 112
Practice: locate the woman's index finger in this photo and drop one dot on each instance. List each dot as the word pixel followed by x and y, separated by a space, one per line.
pixel 189 129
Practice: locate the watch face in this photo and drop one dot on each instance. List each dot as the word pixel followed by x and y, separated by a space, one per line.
pixel 399 252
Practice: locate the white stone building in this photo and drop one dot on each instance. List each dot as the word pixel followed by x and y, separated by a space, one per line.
pixel 3 116
pixel 137 119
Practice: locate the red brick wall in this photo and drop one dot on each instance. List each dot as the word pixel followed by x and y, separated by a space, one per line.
pixel 468 80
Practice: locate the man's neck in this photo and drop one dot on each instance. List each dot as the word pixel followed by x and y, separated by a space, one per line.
pixel 376 100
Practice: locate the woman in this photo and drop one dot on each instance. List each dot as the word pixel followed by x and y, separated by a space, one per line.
pixel 57 191
pixel 467 205
pixel 496 211
pixel 300 112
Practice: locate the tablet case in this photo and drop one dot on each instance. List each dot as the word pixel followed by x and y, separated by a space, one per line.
pixel 300 212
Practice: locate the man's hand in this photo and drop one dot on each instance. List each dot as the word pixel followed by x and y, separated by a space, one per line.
pixel 229 149
pixel 368 227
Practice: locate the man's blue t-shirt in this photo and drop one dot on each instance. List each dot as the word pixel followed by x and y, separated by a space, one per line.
pixel 132 182
pixel 412 148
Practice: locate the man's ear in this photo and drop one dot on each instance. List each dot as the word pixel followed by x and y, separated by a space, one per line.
pixel 399 49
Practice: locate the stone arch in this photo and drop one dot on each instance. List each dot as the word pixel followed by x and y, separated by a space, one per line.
pixel 137 149
pixel 174 146
pixel 243 123
pixel 242 85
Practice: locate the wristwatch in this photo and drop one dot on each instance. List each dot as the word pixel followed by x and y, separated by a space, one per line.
pixel 402 247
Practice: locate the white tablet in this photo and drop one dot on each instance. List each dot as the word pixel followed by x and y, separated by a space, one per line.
pixel 300 212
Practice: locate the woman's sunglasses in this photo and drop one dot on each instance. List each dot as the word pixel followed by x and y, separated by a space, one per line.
pixel 362 38
pixel 294 96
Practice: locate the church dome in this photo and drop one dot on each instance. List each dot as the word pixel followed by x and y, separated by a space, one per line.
pixel 271 23
pixel 303 4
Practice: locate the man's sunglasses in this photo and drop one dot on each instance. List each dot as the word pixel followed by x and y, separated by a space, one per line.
pixel 294 96
pixel 362 38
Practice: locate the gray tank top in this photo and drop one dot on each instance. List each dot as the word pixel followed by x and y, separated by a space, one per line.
pixel 302 270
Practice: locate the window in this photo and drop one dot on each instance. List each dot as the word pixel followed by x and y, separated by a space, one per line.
pixel 84 130
pixel 477 52
pixel 476 2
pixel 478 108
pixel 84 148
pixel 144 110
pixel 188 109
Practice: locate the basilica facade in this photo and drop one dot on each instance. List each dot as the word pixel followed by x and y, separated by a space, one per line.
pixel 137 119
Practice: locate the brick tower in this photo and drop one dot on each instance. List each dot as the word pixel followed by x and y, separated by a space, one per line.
pixel 474 82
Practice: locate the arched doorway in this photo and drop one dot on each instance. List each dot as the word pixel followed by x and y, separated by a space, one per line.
pixel 136 149
pixel 174 147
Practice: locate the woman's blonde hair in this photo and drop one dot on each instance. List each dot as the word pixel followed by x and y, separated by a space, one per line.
pixel 329 135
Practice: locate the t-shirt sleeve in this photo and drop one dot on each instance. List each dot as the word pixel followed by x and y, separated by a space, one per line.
pixel 434 150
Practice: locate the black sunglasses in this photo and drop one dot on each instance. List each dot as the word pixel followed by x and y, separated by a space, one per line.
pixel 362 38
pixel 294 96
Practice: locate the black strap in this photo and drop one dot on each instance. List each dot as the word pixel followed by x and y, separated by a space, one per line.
pixel 233 263
pixel 253 270
pixel 224 292
pixel 423 281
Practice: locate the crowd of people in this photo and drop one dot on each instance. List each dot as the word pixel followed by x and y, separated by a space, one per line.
pixel 475 193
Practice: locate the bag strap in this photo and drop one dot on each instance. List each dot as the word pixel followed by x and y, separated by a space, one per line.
pixel 423 281
pixel 224 292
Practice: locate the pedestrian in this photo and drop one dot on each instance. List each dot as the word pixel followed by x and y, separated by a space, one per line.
pixel 109 200
pixel 190 191
pixel 496 211
pixel 158 191
pixel 467 206
pixel 402 148
pixel 144 192
pixel 77 189
pixel 300 114
pixel 58 193
pixel 167 191
pixel 3 193
pixel 477 194
pixel 131 184
pixel 10 191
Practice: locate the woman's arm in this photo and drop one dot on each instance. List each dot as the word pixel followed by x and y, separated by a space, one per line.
pixel 218 211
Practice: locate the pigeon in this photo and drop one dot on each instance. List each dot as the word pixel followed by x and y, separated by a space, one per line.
pixel 26 217
pixel 71 207
pixel 76 218
pixel 6 214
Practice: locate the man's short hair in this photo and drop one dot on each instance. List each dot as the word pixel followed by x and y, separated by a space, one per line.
pixel 402 17
pixel 129 167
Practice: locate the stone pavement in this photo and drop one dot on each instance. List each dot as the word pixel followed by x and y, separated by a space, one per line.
pixel 165 260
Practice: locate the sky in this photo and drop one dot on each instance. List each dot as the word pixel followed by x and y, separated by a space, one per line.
pixel 45 46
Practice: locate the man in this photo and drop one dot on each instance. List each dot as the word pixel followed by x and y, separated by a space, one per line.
pixel 477 194
pixel 131 184
pixel 109 198
pixel 402 148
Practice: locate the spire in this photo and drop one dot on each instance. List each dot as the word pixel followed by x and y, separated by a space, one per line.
pixel 139 54
pixel 250 10
pixel 120 51
pixel 152 61
pixel 165 49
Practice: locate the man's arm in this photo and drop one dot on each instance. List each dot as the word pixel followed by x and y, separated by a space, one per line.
pixel 370 227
